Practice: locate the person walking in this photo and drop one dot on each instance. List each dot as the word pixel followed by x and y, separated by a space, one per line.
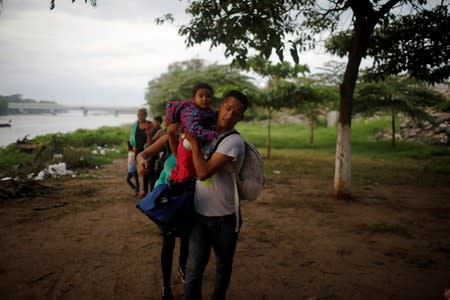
pixel 138 139
pixel 216 225
pixel 131 170
pixel 168 238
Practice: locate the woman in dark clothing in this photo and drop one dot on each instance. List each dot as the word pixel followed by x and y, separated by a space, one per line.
pixel 138 139
pixel 168 238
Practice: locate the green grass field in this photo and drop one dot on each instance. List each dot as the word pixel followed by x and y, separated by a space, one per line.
pixel 372 160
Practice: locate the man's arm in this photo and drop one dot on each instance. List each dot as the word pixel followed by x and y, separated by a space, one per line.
pixel 171 133
pixel 156 147
pixel 148 133
pixel 206 168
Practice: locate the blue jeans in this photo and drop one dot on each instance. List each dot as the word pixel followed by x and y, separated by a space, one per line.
pixel 219 234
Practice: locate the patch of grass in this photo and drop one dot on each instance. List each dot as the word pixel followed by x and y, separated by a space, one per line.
pixel 77 149
pixel 372 161
pixel 287 164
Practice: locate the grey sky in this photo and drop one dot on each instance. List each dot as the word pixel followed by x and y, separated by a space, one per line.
pixel 104 56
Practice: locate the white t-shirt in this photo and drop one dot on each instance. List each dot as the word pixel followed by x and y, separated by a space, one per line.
pixel 215 195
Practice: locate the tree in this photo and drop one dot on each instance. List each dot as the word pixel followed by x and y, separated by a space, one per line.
pixel 412 44
pixel 313 97
pixel 331 73
pixel 93 3
pixel 277 25
pixel 176 84
pixel 279 92
pixel 396 95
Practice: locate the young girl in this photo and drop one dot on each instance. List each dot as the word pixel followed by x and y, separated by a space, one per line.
pixel 132 171
pixel 197 117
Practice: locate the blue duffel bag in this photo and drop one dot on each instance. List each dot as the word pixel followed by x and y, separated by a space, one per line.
pixel 170 206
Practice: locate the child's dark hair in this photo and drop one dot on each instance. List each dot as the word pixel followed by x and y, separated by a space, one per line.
pixel 129 146
pixel 202 85
pixel 239 96
pixel 158 118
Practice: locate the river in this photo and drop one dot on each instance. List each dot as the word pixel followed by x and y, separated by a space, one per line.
pixel 33 125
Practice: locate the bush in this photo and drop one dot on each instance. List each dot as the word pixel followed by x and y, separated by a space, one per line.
pixel 75 147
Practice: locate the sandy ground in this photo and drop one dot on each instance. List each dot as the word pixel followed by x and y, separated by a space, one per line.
pixel 86 240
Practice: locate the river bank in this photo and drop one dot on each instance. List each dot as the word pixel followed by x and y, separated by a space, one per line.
pixel 32 125
pixel 86 240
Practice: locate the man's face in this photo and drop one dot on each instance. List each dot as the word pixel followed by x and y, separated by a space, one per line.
pixel 230 112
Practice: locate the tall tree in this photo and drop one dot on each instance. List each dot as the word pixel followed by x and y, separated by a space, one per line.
pixel 312 98
pixel 278 25
pixel 177 82
pixel 279 92
pixel 395 95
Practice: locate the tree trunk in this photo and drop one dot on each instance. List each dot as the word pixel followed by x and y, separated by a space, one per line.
pixel 364 26
pixel 269 137
pixel 393 130
pixel 311 132
pixel 342 173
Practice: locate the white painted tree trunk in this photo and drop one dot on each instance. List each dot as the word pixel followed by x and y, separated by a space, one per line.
pixel 342 172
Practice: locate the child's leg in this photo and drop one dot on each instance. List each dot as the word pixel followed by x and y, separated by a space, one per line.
pixel 130 183
pixel 184 168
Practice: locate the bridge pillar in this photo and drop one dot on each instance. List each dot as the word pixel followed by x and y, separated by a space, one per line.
pixel 85 112
pixel 116 113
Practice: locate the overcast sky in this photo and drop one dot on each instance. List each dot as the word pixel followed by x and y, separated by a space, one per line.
pixel 77 54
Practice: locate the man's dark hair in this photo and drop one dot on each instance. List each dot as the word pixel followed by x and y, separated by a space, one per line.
pixel 202 85
pixel 239 96
pixel 158 118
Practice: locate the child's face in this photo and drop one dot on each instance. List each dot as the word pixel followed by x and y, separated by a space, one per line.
pixel 156 123
pixel 202 98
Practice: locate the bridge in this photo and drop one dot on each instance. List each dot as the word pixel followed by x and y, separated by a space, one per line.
pixel 55 107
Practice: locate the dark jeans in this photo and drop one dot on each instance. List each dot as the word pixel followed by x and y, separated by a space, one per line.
pixel 219 234
pixel 134 186
pixel 168 245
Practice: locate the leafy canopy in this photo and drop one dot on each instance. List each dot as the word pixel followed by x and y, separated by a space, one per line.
pixel 396 94
pixel 176 84
pixel 415 44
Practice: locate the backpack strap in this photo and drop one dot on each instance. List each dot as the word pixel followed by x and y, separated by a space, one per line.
pixel 219 140
pixel 237 204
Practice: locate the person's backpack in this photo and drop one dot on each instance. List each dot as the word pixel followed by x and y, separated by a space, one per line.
pixel 250 177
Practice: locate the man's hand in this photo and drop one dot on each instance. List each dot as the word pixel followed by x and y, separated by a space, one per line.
pixel 142 164
pixel 172 128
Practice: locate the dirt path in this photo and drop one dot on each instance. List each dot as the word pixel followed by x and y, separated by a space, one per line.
pixel 86 240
